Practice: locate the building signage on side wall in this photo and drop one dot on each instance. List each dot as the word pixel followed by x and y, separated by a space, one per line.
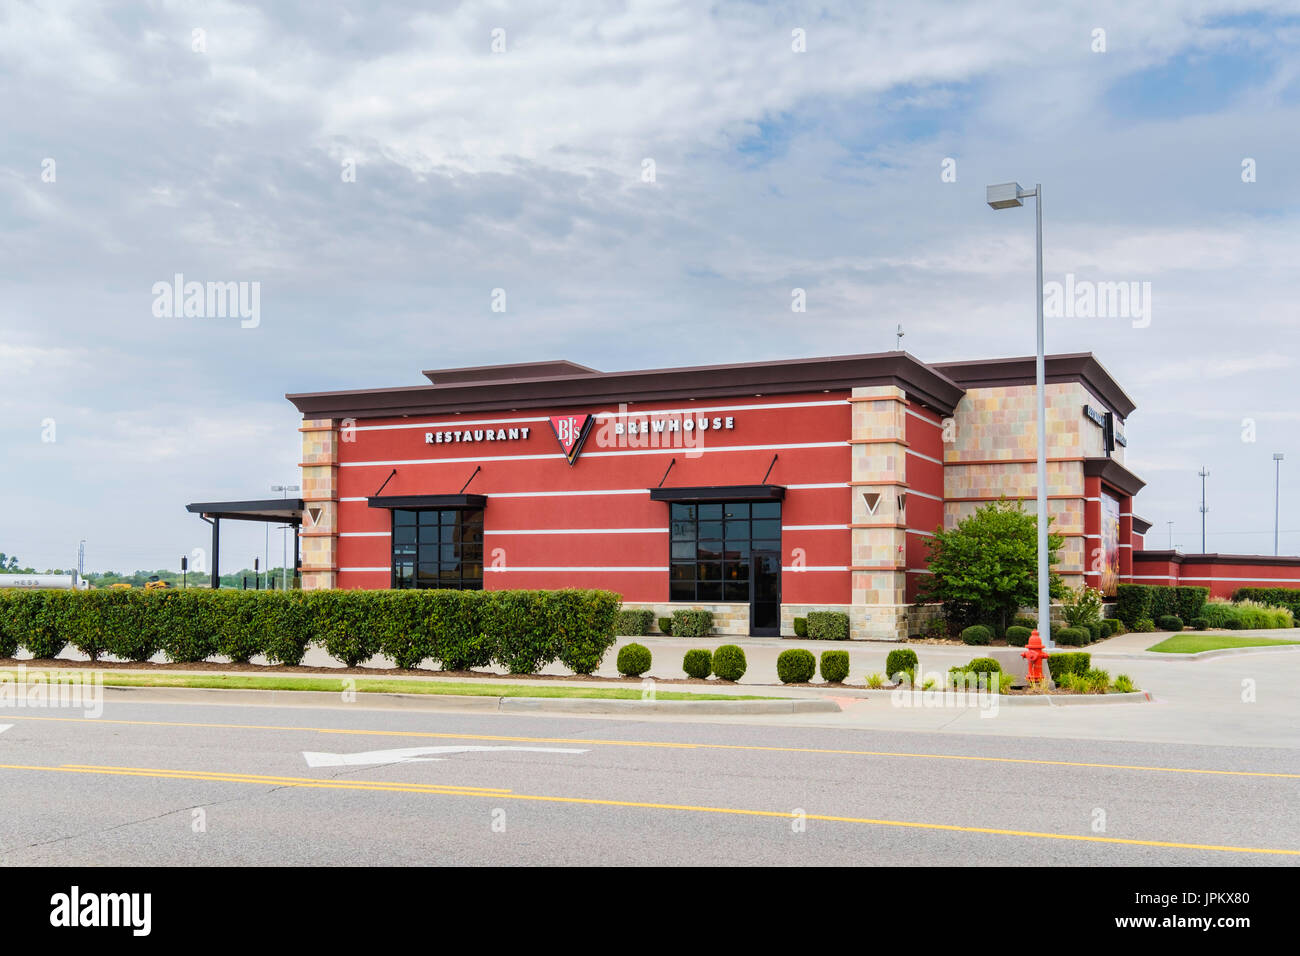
pixel 475 435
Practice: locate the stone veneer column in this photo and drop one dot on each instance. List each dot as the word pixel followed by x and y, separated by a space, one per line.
pixel 879 473
pixel 320 498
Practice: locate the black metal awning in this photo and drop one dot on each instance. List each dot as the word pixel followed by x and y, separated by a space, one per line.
pixel 280 510
pixel 274 510
pixel 719 493
pixel 428 501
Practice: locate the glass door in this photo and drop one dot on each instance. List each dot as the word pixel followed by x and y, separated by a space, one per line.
pixel 765 593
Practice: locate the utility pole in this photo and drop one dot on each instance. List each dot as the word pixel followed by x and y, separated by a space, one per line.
pixel 898 338
pixel 1277 485
pixel 1204 473
pixel 81 558
pixel 284 544
pixel 1171 534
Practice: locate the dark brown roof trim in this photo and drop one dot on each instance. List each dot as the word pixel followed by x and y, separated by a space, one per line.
pixel 288 510
pixel 428 501
pixel 1114 474
pixel 1141 525
pixel 480 374
pixel 922 384
pixel 1177 557
pixel 1071 367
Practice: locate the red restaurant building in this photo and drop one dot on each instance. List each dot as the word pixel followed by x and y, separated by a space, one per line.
pixel 759 491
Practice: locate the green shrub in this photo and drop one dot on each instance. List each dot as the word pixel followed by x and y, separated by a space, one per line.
pixel 688 623
pixel 1097 680
pixel 186 623
pixel 1018 636
pixel 984 665
pixel 795 666
pixel 37 618
pixel 1061 663
pixel 1144 625
pixel 86 623
pixel 1189 599
pixel 1025 621
pixel 901 661
pixel 1196 624
pixel 834 666
pixel 1132 603
pixel 936 629
pixel 698 663
pixel 348 624
pixel 1081 606
pixel 519 630
pixel 1169 622
pixel 977 634
pixel 1072 636
pixel 1124 684
pixel 1277 597
pixel 128 634
pixel 582 621
pixel 1095 631
pixel 665 625
pixel 801 627
pixel 404 634
pixel 1235 624
pixel 8 632
pixel 633 660
pixel 634 622
pixel 729 662
pixel 828 625
pixel 875 681
pixel 1109 626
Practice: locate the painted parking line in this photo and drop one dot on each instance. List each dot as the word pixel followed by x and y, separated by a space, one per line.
pixel 454 791
pixel 680 745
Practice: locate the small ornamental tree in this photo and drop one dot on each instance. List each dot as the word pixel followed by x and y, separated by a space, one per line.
pixel 986 569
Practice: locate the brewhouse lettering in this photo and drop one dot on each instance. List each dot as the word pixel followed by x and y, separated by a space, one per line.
pixel 476 435
pixel 657 426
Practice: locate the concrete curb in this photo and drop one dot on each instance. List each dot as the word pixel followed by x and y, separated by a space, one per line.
pixel 482 704
pixel 918 698
pixel 1198 656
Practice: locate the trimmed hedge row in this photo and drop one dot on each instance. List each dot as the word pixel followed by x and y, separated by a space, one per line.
pixel 634 622
pixel 522 631
pixel 690 623
pixel 828 626
pixel 1288 598
pixel 1133 602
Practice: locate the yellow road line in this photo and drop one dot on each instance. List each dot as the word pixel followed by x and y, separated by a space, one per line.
pixel 670 745
pixel 312 783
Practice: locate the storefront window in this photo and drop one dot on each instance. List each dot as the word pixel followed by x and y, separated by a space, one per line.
pixel 712 544
pixel 438 548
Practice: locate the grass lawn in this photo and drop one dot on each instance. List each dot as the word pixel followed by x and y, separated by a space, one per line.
pixel 1194 643
pixel 377 686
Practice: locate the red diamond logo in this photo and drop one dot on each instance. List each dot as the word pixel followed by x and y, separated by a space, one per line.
pixel 571 431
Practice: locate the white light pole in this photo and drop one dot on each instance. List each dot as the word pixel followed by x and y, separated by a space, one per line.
pixel 1277 494
pixel 284 544
pixel 1008 196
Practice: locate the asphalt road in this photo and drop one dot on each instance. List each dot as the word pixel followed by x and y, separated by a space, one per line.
pixel 178 784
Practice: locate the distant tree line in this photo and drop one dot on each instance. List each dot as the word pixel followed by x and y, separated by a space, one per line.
pixel 9 564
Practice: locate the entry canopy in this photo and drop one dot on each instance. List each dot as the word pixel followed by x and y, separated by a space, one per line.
pixel 278 510
pixel 429 501
pixel 719 493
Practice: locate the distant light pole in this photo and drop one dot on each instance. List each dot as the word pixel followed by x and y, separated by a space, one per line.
pixel 1171 534
pixel 284 544
pixel 1204 473
pixel 1008 196
pixel 1277 493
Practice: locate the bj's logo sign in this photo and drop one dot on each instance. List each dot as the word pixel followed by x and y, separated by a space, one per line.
pixel 571 432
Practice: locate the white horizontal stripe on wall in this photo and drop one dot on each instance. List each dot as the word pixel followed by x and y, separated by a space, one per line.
pixel 793 570
pixel 917 454
pixel 914 414
pixel 814 527
pixel 498 570
pixel 364 534
pixel 678 450
pixel 1202 577
pixel 355 570
pixel 631 412
pixel 488 531
pixel 919 571
pixel 833 484
pixel 607 491
pixel 924 534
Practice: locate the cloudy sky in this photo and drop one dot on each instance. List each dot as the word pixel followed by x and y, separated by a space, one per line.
pixel 380 168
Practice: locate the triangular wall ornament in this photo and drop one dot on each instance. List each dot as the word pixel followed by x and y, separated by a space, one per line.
pixel 872 499
pixel 902 504
pixel 314 514
pixel 571 431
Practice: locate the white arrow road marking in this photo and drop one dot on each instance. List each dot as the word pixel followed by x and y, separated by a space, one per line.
pixel 4 727
pixel 414 755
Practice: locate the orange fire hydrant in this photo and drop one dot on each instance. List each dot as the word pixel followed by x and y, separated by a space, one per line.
pixel 1035 654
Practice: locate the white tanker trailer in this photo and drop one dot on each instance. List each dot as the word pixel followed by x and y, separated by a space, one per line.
pixel 30 582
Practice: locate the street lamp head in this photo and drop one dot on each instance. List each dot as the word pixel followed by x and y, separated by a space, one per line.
pixel 1277 456
pixel 1005 196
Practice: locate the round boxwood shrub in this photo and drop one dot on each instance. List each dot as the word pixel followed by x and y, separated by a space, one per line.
pixel 665 625
pixel 1018 636
pixel 1169 622
pixel 1072 636
pixel 801 627
pixel 1024 620
pixel 984 665
pixel 698 663
pixel 834 666
pixel 901 661
pixel 1144 625
pixel 1095 632
pixel 795 666
pixel 1235 624
pixel 976 634
pixel 633 660
pixel 1196 623
pixel 729 662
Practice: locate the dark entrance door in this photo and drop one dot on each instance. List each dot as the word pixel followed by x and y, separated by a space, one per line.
pixel 765 593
